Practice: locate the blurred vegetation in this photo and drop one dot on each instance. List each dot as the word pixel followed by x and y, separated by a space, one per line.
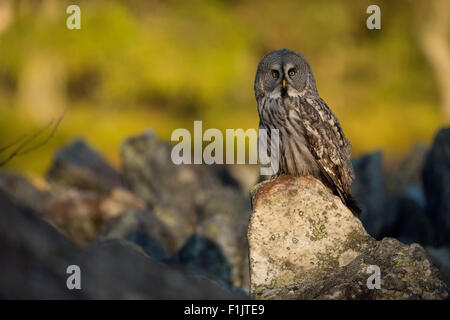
pixel 162 64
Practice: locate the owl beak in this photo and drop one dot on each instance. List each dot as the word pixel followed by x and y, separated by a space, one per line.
pixel 284 83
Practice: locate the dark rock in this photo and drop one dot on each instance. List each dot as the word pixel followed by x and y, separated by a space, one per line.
pixel 144 229
pixel 406 200
pixel 118 269
pixel 35 258
pixel 225 176
pixel 393 201
pixel 33 255
pixel 441 258
pixel 149 244
pixel 203 256
pixel 78 165
pixel 436 180
pixel 225 220
pixel 77 213
pixel 190 198
pixel 170 190
pixel 21 190
pixel 369 190
pixel 412 224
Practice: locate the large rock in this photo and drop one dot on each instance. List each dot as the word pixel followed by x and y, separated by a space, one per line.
pixel 22 190
pixel 406 202
pixel 225 220
pixel 34 259
pixel 76 213
pixel 412 223
pixel 203 256
pixel 305 244
pixel 392 199
pixel 190 199
pixel 79 213
pixel 80 166
pixel 441 258
pixel 199 255
pixel 369 190
pixel 436 180
pixel 144 229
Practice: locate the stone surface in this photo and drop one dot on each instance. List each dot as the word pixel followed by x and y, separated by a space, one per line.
pixel 436 180
pixel 119 201
pixel 305 244
pixel 78 213
pixel 144 229
pixel 405 204
pixel 441 258
pixel 190 198
pixel 80 166
pixel 74 212
pixel 22 190
pixel 392 199
pixel 225 220
pixel 203 256
pixel 369 190
pixel 34 259
pixel 412 223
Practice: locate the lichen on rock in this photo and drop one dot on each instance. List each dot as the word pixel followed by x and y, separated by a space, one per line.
pixel 305 244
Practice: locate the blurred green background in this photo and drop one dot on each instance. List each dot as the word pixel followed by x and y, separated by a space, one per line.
pixel 163 64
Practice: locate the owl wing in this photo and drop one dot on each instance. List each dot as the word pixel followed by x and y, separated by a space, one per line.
pixel 327 143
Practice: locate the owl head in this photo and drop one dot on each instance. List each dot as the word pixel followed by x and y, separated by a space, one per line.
pixel 283 73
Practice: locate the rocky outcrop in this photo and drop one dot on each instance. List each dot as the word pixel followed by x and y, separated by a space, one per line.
pixel 369 190
pixel 305 244
pixel 145 230
pixel 159 209
pixel 80 166
pixel 436 179
pixel 22 190
pixel 189 199
pixel 78 213
pixel 204 257
pixel 34 259
pixel 441 258
pixel 392 198
pixel 189 222
pixel 82 192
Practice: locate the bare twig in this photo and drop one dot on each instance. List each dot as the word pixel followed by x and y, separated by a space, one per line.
pixel 4 148
pixel 23 144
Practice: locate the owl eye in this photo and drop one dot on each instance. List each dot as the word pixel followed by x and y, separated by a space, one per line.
pixel 275 74
pixel 292 72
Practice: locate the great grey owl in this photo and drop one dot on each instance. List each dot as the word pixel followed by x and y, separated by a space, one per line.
pixel 311 139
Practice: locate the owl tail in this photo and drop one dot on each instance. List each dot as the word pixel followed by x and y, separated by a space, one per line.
pixel 352 204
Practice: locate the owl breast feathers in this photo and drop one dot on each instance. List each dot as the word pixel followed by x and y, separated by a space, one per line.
pixel 311 139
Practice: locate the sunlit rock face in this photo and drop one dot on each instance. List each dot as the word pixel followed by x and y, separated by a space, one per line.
pixel 305 244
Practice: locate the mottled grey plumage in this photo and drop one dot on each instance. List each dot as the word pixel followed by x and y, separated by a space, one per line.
pixel 311 139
